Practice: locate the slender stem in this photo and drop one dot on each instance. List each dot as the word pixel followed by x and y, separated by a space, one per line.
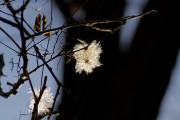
pixel 11 38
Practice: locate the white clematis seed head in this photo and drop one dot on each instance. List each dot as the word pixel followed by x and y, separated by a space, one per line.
pixel 87 56
pixel 45 103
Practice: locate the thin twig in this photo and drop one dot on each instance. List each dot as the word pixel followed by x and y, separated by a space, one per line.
pixel 55 98
pixel 9 47
pixel 10 38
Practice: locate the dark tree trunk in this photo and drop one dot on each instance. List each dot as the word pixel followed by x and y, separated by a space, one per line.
pixel 129 85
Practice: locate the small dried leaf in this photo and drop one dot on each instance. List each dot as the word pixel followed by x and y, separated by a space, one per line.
pixel 37 26
pixel 44 22
pixel 48 33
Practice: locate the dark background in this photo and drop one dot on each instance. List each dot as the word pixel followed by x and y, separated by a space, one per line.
pixel 130 85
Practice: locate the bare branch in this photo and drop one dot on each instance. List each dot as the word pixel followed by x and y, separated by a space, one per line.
pixel 92 24
pixel 15 87
pixel 9 22
pixel 49 68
